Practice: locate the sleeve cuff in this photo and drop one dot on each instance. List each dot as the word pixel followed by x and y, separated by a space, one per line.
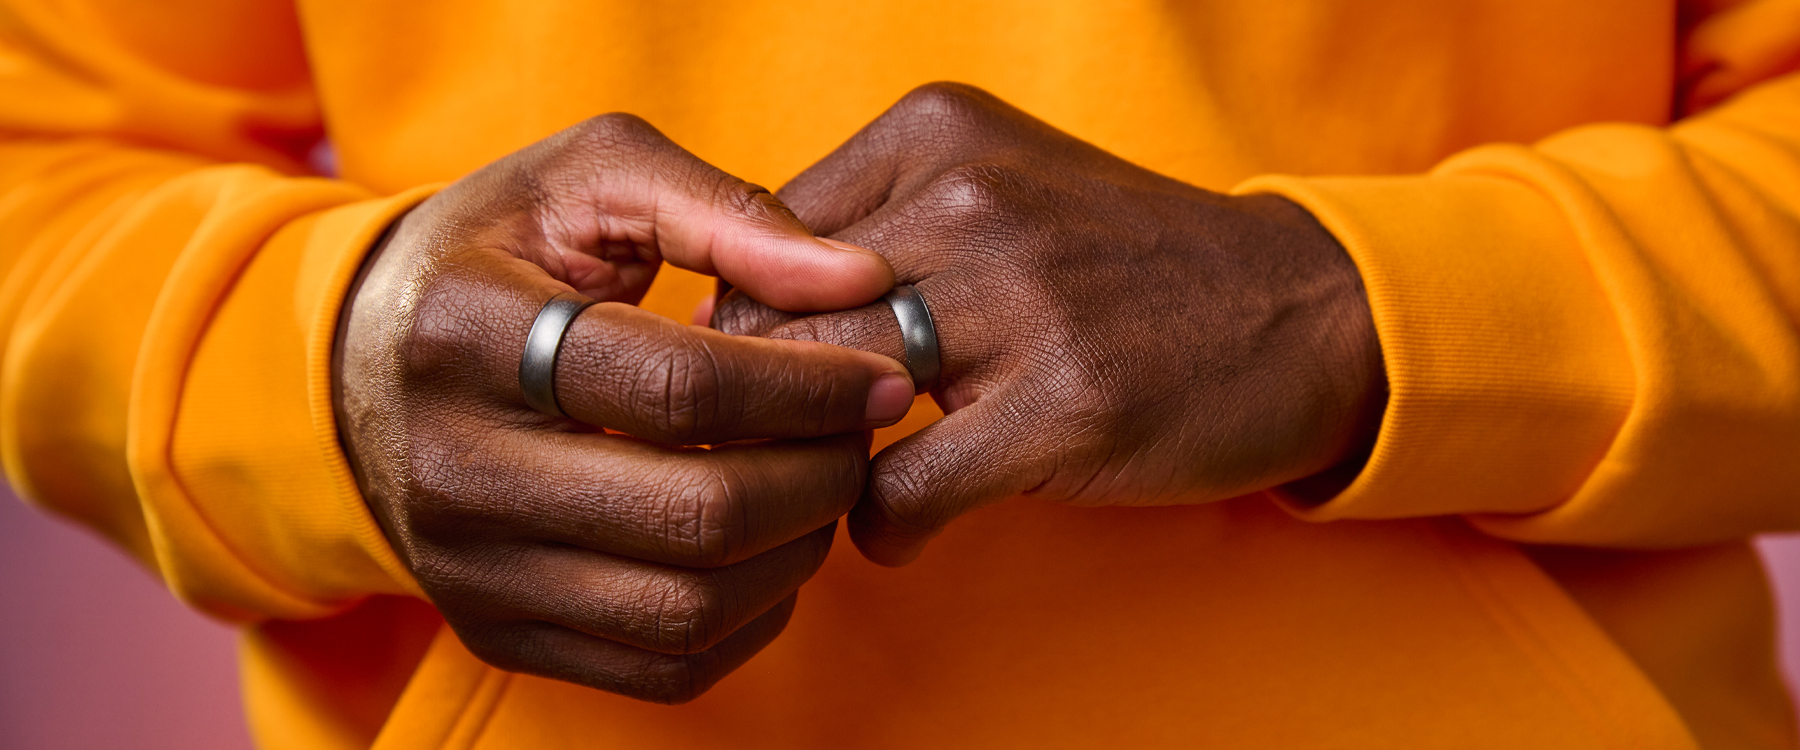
pixel 248 491
pixel 1507 369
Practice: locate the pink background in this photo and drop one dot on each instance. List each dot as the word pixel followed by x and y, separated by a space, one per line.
pixel 95 654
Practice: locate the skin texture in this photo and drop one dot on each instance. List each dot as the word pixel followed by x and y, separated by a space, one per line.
pixel 636 563
pixel 1110 336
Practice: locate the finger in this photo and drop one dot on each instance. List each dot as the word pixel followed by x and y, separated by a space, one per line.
pixel 964 353
pixel 561 653
pixel 871 328
pixel 689 508
pixel 975 457
pixel 634 371
pixel 659 608
pixel 630 370
pixel 627 183
pixel 739 314
pixel 933 126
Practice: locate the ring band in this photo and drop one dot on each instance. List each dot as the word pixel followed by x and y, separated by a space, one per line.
pixel 919 334
pixel 537 367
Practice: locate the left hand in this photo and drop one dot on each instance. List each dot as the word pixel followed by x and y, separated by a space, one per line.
pixel 1109 335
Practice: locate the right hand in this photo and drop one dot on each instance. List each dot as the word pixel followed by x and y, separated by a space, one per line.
pixel 625 562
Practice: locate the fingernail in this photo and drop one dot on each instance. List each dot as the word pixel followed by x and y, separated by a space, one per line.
pixel 889 399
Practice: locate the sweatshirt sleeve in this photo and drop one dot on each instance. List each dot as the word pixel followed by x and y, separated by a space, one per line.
pixel 1595 339
pixel 169 287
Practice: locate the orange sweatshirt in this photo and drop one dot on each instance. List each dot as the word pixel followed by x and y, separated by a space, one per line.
pixel 1579 224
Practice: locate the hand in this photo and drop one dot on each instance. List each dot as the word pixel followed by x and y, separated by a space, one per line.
pixel 628 564
pixel 1109 335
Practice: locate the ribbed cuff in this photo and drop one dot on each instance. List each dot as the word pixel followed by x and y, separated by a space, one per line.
pixel 1508 374
pixel 366 222
pixel 247 490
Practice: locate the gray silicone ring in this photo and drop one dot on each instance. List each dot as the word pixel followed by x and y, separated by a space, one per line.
pixel 537 367
pixel 919 334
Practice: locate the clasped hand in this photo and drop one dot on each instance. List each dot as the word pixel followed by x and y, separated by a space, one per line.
pixel 1109 336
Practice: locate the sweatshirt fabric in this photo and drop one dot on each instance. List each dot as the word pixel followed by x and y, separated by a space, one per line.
pixel 1579 224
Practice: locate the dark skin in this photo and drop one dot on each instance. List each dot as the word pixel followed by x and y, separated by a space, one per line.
pixel 1109 336
pixel 635 564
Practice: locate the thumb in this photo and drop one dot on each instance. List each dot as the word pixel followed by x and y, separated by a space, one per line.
pixel 745 235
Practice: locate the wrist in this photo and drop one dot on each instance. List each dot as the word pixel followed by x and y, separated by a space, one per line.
pixel 347 362
pixel 1346 349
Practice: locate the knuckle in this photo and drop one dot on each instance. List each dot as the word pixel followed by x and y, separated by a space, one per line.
pixel 691 615
pixel 933 118
pixel 471 582
pixel 437 491
pixel 443 576
pixel 617 131
pixel 710 526
pixel 901 499
pixel 615 142
pixel 740 315
pixel 444 326
pixel 752 201
pixel 680 392
pixel 944 101
pixel 974 188
pixel 734 316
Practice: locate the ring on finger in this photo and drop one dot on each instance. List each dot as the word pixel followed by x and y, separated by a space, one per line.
pixel 537 366
pixel 919 334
